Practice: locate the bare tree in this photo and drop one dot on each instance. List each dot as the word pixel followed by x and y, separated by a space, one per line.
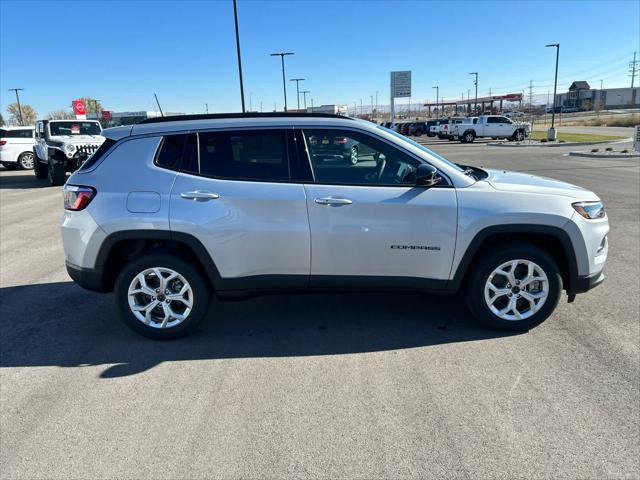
pixel 61 114
pixel 29 115
pixel 91 105
pixel 1 120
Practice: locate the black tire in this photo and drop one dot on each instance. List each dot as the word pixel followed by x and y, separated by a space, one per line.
pixel 418 133
pixel 518 135
pixel 10 165
pixel 26 161
pixel 353 155
pixel 450 138
pixel 56 173
pixel 162 259
pixel 468 137
pixel 487 264
pixel 39 168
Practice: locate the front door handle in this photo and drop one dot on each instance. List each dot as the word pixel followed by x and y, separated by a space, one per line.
pixel 200 195
pixel 333 201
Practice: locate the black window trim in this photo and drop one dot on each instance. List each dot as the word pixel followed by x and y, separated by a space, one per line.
pixel 287 130
pixel 376 137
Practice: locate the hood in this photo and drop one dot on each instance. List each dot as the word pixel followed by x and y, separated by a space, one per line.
pixel 79 139
pixel 527 183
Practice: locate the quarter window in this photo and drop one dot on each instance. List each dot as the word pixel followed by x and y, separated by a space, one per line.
pixel 353 158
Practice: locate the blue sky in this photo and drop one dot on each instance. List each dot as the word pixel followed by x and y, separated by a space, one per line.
pixel 123 52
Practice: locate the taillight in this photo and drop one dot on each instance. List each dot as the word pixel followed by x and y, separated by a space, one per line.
pixel 339 140
pixel 3 142
pixel 77 197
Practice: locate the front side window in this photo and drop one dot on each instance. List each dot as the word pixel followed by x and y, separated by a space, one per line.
pixel 354 158
pixel 245 155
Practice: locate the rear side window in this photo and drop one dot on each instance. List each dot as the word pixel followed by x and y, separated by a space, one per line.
pixel 245 155
pixel 98 154
pixel 27 133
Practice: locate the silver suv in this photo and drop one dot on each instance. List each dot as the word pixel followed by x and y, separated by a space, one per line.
pixel 171 210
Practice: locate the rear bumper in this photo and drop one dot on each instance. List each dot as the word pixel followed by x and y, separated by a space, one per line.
pixel 584 284
pixel 87 278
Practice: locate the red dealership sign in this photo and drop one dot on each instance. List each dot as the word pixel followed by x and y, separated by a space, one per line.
pixel 78 107
pixel 106 115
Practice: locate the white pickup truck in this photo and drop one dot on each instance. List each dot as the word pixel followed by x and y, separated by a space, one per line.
pixel 494 126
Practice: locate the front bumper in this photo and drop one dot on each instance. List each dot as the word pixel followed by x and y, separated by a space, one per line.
pixel 584 284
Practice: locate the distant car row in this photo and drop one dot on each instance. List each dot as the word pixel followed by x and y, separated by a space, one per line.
pixel 467 129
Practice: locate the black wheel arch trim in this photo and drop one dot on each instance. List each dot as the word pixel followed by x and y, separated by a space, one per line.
pixel 558 233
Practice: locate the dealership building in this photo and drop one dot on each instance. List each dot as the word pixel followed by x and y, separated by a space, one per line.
pixel 582 96
pixel 114 119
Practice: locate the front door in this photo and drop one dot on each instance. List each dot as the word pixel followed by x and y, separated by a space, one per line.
pixel 235 195
pixel 369 222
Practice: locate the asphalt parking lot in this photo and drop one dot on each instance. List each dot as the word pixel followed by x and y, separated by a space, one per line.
pixel 330 386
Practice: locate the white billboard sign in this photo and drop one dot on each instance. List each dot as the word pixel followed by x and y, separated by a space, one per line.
pixel 401 84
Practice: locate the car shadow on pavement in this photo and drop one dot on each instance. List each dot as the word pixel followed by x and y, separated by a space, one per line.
pixel 59 324
pixel 20 179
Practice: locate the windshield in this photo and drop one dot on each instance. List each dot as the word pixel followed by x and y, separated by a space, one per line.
pixel 423 148
pixel 74 128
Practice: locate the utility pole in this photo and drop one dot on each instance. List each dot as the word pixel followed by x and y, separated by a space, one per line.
pixel 475 82
pixel 551 135
pixel 371 105
pixel 601 85
pixel 361 107
pixel 437 98
pixel 297 80
pixel 250 102
pixel 376 103
pixel 633 68
pixel 206 108
pixel 260 106
pixel 312 105
pixel 235 17
pixel 304 95
pixel 284 83
pixel 18 100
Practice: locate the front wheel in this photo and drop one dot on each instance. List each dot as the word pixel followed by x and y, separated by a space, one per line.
pixel 39 169
pixel 468 137
pixel 56 174
pixel 518 136
pixel 516 288
pixel 161 296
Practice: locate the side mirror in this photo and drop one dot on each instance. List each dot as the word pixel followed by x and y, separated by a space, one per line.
pixel 427 176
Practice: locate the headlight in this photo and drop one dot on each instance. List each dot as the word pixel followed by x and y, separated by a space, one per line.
pixel 69 148
pixel 589 210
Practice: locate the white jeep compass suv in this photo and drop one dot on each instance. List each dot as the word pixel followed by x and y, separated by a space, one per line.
pixel 173 209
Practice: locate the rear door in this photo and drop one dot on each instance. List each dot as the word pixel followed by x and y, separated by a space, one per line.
pixel 370 223
pixel 235 194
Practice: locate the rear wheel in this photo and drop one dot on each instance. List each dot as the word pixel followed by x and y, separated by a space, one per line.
pixel 25 161
pixel 56 173
pixel 468 137
pixel 161 296
pixel 516 288
pixel 518 135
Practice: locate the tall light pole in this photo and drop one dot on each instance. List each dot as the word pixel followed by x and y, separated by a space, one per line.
pixel 206 108
pixel 551 134
pixel 304 94
pixel 18 100
pixel 437 97
pixel 298 80
pixel 284 83
pixel 475 82
pixel 235 17
pixel 371 105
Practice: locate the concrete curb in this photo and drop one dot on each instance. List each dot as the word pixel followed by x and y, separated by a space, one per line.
pixel 556 144
pixel 604 155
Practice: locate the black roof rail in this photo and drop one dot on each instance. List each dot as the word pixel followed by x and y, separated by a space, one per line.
pixel 215 116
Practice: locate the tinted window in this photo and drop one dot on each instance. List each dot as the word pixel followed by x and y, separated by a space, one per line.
pixel 503 120
pixel 93 159
pixel 244 155
pixel 27 133
pixel 353 158
pixel 170 153
pixel 492 120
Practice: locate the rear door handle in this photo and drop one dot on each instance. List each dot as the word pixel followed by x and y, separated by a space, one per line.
pixel 333 201
pixel 200 195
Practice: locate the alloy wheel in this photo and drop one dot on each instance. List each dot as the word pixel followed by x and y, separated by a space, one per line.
pixel 516 290
pixel 160 297
pixel 26 161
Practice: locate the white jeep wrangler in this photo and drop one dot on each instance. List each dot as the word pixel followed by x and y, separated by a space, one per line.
pixel 63 146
